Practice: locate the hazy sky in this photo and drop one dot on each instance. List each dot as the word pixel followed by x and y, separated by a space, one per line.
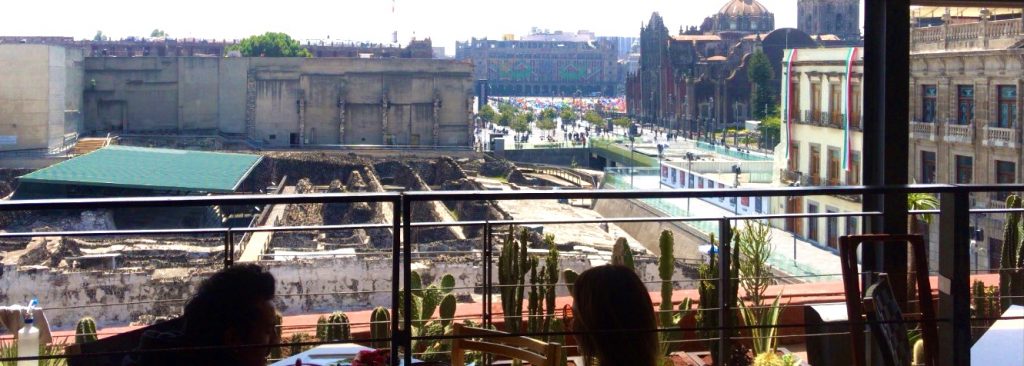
pixel 445 21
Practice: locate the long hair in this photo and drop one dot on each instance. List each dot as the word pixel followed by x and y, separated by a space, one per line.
pixel 614 313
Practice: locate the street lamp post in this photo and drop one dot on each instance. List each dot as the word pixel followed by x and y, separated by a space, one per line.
pixel 632 162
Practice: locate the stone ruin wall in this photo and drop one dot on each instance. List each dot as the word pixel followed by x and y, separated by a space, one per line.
pixel 303 287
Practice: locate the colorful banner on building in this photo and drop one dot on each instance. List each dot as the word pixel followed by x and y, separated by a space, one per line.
pixel 788 88
pixel 848 101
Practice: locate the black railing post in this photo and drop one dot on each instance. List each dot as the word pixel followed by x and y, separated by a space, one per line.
pixel 407 278
pixel 229 248
pixel 487 275
pixel 725 314
pixel 396 272
pixel 954 278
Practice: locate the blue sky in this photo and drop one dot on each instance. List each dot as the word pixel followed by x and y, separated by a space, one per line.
pixel 445 21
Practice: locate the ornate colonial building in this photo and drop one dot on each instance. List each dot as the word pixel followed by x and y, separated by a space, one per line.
pixel 830 17
pixel 546 64
pixel 696 80
pixel 966 79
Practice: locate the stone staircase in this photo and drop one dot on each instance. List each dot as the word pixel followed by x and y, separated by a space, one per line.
pixel 88 145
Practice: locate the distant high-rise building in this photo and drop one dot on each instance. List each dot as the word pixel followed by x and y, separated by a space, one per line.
pixel 837 17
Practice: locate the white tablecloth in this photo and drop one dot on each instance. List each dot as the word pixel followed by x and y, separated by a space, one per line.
pixel 1003 343
pixel 323 355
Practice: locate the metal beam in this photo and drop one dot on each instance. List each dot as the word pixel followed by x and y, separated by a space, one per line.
pixel 954 280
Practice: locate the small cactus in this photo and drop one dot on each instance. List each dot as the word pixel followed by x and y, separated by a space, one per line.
pixel 447 309
pixel 666 266
pixel 334 327
pixel 622 255
pixel 85 330
pixel 380 326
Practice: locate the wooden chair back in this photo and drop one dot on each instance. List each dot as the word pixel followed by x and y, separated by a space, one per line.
pixel 855 309
pixel 499 343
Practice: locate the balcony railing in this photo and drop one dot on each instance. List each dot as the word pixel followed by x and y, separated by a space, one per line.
pixel 923 130
pixel 977 35
pixel 959 133
pixel 401 255
pixel 999 137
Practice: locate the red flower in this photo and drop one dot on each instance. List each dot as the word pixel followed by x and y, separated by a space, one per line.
pixel 377 357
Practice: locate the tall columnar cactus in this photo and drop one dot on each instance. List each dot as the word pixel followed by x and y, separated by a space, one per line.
pixel 85 330
pixel 707 317
pixel 622 255
pixel 512 269
pixel 551 277
pixel 534 302
pixel 380 326
pixel 1011 274
pixel 334 327
pixel 666 266
pixel 1008 256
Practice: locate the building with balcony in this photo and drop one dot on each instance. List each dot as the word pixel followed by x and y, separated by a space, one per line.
pixel 965 122
pixel 823 126
pixel 546 64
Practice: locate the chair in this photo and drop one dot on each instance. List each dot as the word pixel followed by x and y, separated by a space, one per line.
pixel 882 304
pixel 113 349
pixel 499 343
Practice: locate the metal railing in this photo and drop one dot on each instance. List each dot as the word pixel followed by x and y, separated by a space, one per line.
pixel 954 317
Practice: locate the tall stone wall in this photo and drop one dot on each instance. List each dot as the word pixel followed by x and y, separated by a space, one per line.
pixel 284 101
pixel 117 298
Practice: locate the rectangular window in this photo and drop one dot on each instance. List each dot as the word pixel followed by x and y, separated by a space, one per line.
pixel 1007 106
pixel 853 175
pixel 964 169
pixel 794 101
pixel 851 226
pixel 794 156
pixel 835 107
pixel 814 169
pixel 812 223
pixel 815 102
pixel 855 108
pixel 832 230
pixel 965 104
pixel 833 166
pixel 929 94
pixel 927 167
pixel 1006 173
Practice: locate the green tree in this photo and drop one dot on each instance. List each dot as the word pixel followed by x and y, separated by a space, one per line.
pixel 592 117
pixel 530 117
pixel 760 73
pixel 519 124
pixel 158 33
pixel 567 115
pixel 271 44
pixel 621 122
pixel 770 129
pixel 546 124
pixel 487 114
pixel 506 118
pixel 549 113
pixel 100 37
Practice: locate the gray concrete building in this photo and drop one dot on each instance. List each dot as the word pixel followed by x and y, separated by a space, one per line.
pixel 284 101
pixel 40 96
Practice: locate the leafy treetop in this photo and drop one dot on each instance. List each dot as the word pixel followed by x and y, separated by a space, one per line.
pixel 271 44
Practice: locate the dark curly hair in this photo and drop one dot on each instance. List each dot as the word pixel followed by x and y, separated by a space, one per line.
pixel 229 299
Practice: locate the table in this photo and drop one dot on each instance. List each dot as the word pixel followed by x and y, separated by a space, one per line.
pixel 1001 344
pixel 325 354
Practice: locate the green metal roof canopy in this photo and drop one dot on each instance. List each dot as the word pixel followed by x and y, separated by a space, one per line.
pixel 149 168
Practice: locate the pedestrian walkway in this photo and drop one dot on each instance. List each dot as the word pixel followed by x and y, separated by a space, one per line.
pixel 259 241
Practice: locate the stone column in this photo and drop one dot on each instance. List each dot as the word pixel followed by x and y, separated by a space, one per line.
pixel 436 131
pixel 301 105
pixel 341 120
pixel 250 105
pixel 384 116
